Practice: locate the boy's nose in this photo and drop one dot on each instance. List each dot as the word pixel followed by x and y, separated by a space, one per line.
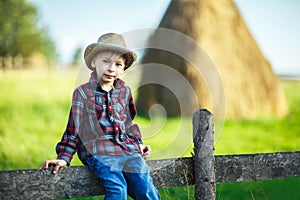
pixel 111 67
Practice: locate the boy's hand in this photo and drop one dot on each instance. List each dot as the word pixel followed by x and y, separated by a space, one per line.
pixel 58 163
pixel 146 151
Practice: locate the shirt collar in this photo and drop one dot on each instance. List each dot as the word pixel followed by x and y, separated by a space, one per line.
pixel 118 83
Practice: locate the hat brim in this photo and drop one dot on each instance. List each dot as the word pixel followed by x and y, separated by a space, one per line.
pixel 93 49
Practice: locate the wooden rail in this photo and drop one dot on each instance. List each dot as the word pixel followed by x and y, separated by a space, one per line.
pixel 203 168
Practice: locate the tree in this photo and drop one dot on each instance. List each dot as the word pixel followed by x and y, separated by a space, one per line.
pixel 20 34
pixel 77 57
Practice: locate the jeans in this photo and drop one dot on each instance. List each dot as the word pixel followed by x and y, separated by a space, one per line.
pixel 124 175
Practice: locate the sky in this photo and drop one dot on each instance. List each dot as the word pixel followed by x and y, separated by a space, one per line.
pixel 77 23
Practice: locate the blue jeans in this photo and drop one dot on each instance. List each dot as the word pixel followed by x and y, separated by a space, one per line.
pixel 124 175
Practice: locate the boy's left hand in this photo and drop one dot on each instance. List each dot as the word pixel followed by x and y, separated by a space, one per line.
pixel 146 151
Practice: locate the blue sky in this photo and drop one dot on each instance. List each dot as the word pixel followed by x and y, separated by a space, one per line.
pixel 77 23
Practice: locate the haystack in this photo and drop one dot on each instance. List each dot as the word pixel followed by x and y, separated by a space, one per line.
pixel 250 86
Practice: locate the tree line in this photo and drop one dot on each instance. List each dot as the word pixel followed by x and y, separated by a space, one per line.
pixel 20 33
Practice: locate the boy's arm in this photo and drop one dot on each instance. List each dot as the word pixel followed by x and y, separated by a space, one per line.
pixel 132 129
pixel 64 151
pixel 66 148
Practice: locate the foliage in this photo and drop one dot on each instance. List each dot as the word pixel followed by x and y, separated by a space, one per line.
pixel 20 33
pixel 76 61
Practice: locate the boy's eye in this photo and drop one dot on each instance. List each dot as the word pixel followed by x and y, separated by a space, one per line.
pixel 120 66
pixel 106 61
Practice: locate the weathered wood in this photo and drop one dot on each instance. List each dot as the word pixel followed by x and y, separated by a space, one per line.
pixel 205 187
pixel 42 184
pixel 80 182
pixel 251 167
pixel 170 173
pixel 74 182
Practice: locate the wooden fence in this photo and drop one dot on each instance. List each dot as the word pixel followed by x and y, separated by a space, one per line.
pixel 203 170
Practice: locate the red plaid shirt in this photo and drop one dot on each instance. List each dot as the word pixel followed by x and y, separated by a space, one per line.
pixel 100 122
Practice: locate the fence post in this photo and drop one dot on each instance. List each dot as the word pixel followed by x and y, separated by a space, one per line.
pixel 205 187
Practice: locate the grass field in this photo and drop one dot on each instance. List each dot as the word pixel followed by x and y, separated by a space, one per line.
pixel 34 108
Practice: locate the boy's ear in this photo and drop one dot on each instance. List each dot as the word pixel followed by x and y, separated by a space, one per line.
pixel 93 64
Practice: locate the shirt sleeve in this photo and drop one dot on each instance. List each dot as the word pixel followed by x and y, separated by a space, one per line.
pixel 133 130
pixel 66 148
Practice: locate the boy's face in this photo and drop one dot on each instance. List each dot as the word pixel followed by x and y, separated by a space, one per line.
pixel 109 66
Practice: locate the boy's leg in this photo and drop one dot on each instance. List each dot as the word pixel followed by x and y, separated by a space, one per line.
pixel 139 181
pixel 112 179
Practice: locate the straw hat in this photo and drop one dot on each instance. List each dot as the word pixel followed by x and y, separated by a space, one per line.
pixel 109 41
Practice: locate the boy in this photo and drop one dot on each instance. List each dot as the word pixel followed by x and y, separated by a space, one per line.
pixel 100 125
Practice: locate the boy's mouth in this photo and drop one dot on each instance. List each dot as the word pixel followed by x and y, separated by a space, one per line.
pixel 109 76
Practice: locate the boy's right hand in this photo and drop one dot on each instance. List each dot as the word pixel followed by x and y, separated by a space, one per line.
pixel 58 163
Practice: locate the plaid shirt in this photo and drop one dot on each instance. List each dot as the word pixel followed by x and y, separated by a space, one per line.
pixel 100 122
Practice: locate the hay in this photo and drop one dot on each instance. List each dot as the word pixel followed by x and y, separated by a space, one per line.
pixel 252 90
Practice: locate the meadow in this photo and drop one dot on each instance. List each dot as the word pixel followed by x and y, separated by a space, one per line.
pixel 34 107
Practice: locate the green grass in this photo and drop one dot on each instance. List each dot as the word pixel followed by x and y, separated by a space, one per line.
pixel 33 114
